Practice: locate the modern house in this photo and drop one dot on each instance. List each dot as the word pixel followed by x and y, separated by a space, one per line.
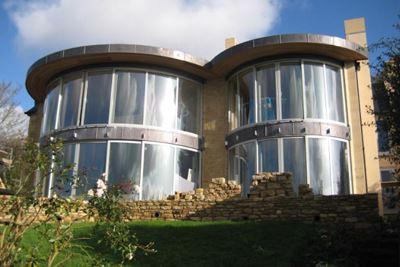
pixel 158 120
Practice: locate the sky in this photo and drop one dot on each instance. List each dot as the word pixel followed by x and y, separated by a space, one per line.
pixel 31 29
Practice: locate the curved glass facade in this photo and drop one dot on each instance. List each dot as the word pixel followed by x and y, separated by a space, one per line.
pixel 294 89
pixel 122 96
pixel 126 97
pixel 276 92
pixel 320 162
pixel 142 170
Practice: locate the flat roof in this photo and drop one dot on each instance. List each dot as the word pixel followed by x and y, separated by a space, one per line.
pixel 52 65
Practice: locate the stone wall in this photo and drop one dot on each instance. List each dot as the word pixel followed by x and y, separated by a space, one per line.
pixel 271 198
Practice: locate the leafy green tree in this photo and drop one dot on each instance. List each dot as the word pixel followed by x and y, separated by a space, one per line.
pixel 386 88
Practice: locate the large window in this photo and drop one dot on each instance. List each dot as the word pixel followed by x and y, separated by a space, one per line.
pixel 119 96
pixel 129 97
pixel 50 109
pixel 97 97
pixel 161 101
pixel 91 166
pixel 158 171
pixel 242 160
pixel 124 167
pixel 286 90
pixel 141 170
pixel 70 100
pixel 291 91
pixel 321 162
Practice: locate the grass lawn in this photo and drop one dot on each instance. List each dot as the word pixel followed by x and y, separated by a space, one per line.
pixel 185 243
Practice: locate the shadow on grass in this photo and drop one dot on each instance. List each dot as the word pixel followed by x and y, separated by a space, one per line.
pixel 223 243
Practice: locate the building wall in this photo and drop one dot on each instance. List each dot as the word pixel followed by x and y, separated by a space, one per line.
pixel 35 122
pixel 355 32
pixel 215 126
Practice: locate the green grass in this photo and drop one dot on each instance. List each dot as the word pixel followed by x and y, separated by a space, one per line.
pixel 185 243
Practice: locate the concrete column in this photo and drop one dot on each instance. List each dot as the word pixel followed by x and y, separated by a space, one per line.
pixel 355 32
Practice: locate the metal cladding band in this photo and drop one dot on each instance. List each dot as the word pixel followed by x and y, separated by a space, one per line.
pixel 104 133
pixel 286 129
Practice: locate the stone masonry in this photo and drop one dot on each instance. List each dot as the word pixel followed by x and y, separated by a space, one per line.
pixel 271 198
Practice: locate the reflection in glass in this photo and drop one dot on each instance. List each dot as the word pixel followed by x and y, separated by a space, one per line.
pixel 129 98
pixel 291 91
pixel 246 95
pixel 187 170
pixel 268 155
pixel 294 160
pixel 242 164
pixel 70 101
pixel 319 166
pixel 334 91
pixel 161 101
pixel 267 93
pixel 233 118
pixel 188 106
pixel 124 168
pixel 50 110
pixel 64 179
pixel 315 91
pixel 158 171
pixel 91 166
pixel 98 97
pixel 340 168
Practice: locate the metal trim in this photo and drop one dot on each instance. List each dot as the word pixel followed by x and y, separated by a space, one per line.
pixel 109 132
pixel 287 129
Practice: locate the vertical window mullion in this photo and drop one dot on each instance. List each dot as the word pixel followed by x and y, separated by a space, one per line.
pixel 84 99
pixel 146 84
pixel 238 107
pixel 344 100
pixel 108 152
pixel 308 178
pixel 176 103
pixel 112 98
pixel 256 118
pixel 174 171
pixel 278 92
pixel 281 161
pixel 141 168
pixel 327 103
pixel 349 166
pixel 303 85
pixel 330 142
pixel 81 89
pixel 59 99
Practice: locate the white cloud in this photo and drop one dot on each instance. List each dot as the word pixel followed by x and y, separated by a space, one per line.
pixel 198 27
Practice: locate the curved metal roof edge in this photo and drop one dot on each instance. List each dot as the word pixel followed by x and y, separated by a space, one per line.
pixel 292 38
pixel 118 48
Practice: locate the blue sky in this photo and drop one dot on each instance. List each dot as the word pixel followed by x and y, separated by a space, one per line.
pixel 29 29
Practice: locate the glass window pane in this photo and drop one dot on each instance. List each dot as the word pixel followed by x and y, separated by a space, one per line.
pixel 340 167
pixel 382 128
pixel 243 165
pixel 129 98
pixel 63 181
pixel 98 97
pixel 319 166
pixel 387 175
pixel 158 171
pixel 334 90
pixel 187 170
pixel 246 95
pixel 124 168
pixel 161 101
pixel 315 91
pixel 268 155
pixel 294 160
pixel 267 93
pixel 188 106
pixel 92 160
pixel 50 110
pixel 70 100
pixel 291 91
pixel 233 117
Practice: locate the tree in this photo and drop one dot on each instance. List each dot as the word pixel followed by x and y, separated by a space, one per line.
pixel 386 88
pixel 13 121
